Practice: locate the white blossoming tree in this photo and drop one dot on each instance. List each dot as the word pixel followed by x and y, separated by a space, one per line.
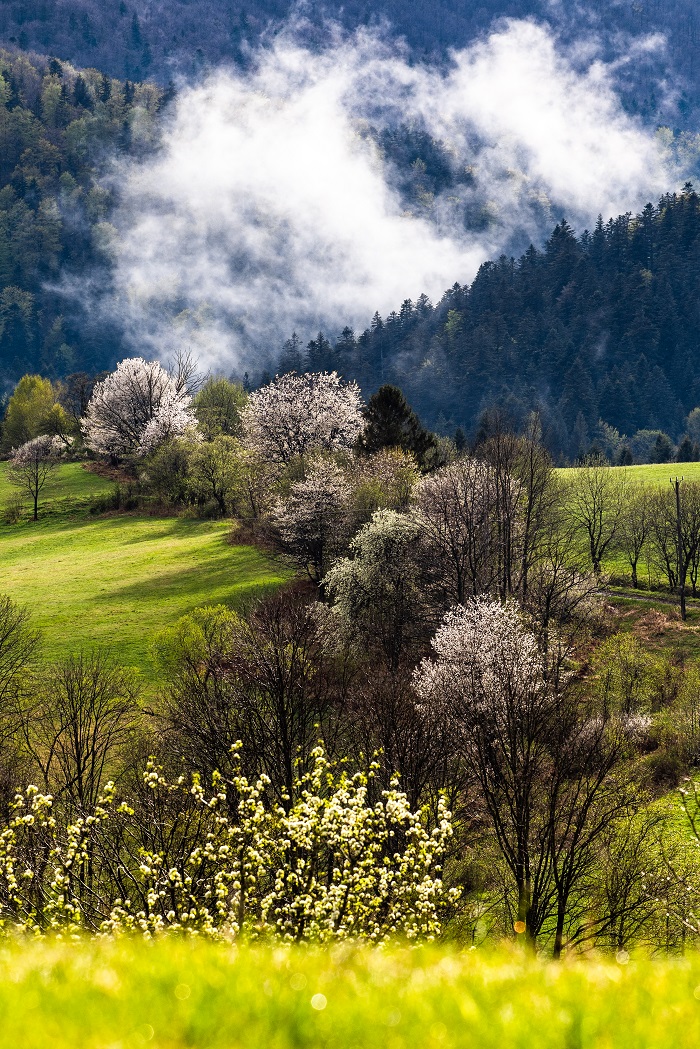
pixel 32 464
pixel 137 407
pixel 299 414
pixel 377 592
pixel 544 762
pixel 312 520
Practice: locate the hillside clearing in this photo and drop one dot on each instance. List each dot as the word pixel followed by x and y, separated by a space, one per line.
pixel 649 473
pixel 115 581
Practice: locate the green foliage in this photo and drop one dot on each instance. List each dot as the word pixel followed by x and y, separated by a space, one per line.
pixel 628 679
pixel 215 471
pixel 217 407
pixel 33 409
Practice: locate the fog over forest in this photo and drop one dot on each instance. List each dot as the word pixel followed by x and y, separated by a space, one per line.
pixel 304 170
pixel 284 197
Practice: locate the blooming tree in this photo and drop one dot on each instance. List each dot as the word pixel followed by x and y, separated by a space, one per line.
pixel 135 408
pixel 32 464
pixel 312 520
pixel 376 592
pixel 544 762
pixel 298 414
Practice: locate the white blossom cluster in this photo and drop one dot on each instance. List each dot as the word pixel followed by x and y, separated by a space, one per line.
pixel 39 450
pixel 135 408
pixel 231 863
pixel 485 658
pixel 311 520
pixel 298 414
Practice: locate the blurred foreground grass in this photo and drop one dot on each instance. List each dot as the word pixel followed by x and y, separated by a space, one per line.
pixel 174 993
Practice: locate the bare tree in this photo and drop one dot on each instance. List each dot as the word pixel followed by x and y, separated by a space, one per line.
pixel 635 527
pixel 31 466
pixel 274 682
pixel 596 498
pixel 675 533
pixel 76 721
pixel 455 510
pixel 562 597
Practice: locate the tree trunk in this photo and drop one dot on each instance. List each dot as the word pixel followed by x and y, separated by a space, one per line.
pixel 559 933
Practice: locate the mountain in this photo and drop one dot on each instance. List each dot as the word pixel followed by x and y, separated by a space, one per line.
pixel 161 39
pixel 57 129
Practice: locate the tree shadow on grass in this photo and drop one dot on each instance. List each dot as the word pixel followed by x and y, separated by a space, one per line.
pixel 223 579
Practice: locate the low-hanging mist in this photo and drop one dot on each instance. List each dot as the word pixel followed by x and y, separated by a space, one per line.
pixel 272 207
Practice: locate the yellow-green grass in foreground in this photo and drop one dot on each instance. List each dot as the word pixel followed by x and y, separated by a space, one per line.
pixel 69 486
pixel 115 581
pixel 176 994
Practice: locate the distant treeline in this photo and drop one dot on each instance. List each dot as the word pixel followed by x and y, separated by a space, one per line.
pixel 57 127
pixel 599 332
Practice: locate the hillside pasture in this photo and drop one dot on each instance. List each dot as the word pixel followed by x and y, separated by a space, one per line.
pixel 115 581
pixel 173 994
pixel 71 488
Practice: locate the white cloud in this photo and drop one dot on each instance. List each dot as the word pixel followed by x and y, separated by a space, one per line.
pixel 269 208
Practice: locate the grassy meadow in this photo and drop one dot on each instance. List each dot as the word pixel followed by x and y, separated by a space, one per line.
pixel 69 489
pixel 174 994
pixel 656 475
pixel 651 473
pixel 116 580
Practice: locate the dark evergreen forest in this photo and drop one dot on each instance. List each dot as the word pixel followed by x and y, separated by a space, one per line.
pixel 57 129
pixel 136 39
pixel 601 326
pixel 595 325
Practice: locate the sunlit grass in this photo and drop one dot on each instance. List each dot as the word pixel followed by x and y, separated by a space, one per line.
pixel 174 994
pixel 115 581
pixel 70 487
pixel 652 473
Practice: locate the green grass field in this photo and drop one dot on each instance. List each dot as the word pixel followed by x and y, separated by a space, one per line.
pixel 70 488
pixel 117 580
pixel 655 473
pixel 177 994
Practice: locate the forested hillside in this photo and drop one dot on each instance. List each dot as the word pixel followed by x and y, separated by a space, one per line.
pixel 152 38
pixel 57 128
pixel 594 325
pixel 597 326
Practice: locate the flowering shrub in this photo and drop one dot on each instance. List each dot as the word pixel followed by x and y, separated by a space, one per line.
pixel 228 863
